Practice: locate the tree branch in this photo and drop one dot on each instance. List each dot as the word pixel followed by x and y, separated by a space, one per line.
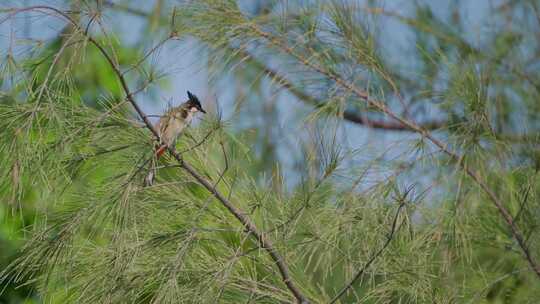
pixel 381 106
pixel 263 241
pixel 348 115
pixel 398 124
pixel 351 116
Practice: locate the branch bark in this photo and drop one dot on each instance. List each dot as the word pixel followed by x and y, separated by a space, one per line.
pixel 351 116
pixel 248 224
pixel 348 115
pixel 381 106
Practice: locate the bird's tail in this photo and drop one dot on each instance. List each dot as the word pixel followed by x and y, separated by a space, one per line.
pixel 160 150
pixel 150 177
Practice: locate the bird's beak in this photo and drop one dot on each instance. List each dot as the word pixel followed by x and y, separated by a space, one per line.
pixel 201 109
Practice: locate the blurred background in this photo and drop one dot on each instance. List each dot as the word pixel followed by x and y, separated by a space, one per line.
pixel 468 71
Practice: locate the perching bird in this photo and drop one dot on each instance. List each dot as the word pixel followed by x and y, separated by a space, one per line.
pixel 170 127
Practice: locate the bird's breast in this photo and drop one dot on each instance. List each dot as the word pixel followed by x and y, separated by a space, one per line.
pixel 178 125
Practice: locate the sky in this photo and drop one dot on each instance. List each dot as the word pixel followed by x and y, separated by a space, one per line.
pixel 185 63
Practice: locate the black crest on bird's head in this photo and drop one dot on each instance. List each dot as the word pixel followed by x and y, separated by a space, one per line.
pixel 193 101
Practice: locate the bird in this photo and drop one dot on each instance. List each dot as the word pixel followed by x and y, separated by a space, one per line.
pixel 171 126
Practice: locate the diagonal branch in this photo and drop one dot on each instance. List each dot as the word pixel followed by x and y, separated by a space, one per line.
pixel 351 116
pixel 264 242
pixel 381 106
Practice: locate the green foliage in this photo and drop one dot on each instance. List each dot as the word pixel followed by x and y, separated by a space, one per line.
pixel 398 222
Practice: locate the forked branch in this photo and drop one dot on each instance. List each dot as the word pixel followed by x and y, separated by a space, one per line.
pixel 248 224
pixel 411 125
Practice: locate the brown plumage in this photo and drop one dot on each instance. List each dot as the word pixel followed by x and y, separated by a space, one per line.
pixel 170 127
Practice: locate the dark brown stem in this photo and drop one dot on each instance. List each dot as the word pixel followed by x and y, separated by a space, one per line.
pixel 351 116
pixel 381 106
pixel 398 124
pixel 263 241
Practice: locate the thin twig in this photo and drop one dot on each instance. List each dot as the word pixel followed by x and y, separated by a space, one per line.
pixel 202 141
pixel 381 106
pixel 148 54
pixel 98 153
pixel 351 116
pixel 226 168
pixel 372 258
pixel 523 203
pixel 263 241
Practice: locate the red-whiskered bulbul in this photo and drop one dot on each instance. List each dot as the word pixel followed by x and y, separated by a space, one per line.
pixel 170 127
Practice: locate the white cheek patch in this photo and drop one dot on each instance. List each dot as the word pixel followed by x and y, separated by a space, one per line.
pixel 193 110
